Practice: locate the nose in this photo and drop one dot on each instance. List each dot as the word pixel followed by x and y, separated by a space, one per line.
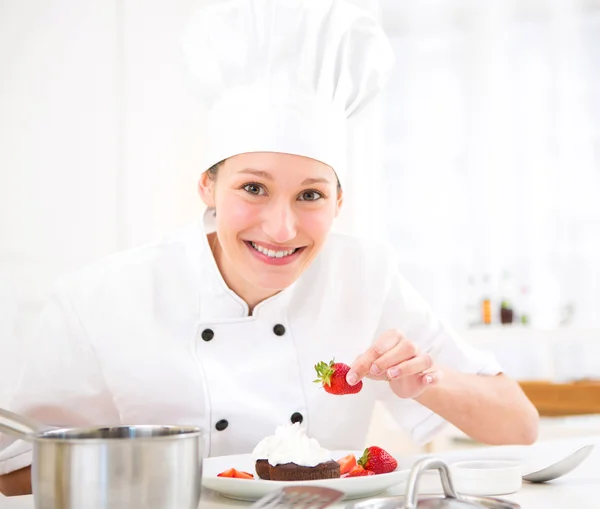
pixel 280 222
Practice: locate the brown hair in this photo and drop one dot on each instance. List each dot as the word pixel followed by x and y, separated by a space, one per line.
pixel 212 171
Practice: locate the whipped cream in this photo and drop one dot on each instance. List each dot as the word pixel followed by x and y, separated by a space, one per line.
pixel 290 444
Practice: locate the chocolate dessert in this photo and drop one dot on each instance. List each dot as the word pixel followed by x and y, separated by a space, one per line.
pixel 293 472
pixel 262 469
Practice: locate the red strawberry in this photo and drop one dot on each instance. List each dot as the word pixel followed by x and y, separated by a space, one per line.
pixel 333 378
pixel 238 474
pixel 379 461
pixel 347 463
pixel 359 471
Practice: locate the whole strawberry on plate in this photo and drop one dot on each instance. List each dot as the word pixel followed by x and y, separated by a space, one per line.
pixel 332 377
pixel 377 460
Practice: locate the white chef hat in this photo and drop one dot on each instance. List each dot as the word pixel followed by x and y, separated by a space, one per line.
pixel 284 75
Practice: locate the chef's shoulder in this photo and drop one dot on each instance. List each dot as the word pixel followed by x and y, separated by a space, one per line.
pixel 141 269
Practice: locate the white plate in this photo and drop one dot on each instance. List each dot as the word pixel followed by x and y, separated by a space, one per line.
pixel 253 489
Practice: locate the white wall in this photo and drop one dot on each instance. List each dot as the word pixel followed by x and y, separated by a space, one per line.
pixel 160 120
pixel 58 137
pixel 492 166
pixel 59 158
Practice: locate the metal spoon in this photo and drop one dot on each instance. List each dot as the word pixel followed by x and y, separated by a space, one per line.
pixel 561 467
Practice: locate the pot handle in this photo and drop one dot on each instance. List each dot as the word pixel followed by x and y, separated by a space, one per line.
pixel 415 474
pixel 20 426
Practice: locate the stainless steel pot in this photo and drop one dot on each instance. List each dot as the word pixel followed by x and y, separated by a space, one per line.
pixel 121 467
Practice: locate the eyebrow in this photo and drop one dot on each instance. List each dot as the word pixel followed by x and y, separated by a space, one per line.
pixel 268 176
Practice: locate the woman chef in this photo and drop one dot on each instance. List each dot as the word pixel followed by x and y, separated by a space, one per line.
pixel 222 324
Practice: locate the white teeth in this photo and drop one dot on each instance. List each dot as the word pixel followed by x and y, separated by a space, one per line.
pixel 271 253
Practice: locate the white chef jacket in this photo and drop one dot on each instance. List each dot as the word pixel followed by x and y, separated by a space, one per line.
pixel 154 335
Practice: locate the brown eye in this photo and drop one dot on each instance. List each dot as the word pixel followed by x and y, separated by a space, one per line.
pixel 254 189
pixel 310 196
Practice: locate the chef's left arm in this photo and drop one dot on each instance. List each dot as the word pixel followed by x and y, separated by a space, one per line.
pixel 435 376
pixel 489 408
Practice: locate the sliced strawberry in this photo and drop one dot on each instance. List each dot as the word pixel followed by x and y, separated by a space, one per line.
pixel 243 475
pixel 237 474
pixel 359 471
pixel 347 463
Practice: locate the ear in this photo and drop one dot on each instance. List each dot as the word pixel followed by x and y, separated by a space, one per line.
pixel 339 202
pixel 206 189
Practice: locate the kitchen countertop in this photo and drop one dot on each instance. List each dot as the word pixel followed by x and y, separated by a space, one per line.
pixel 579 489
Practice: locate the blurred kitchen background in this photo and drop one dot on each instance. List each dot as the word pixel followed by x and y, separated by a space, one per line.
pixel 481 164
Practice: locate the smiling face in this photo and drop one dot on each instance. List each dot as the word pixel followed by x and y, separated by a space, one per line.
pixel 274 212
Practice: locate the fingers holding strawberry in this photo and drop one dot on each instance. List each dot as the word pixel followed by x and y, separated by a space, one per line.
pixel 363 364
pixel 395 359
pixel 333 378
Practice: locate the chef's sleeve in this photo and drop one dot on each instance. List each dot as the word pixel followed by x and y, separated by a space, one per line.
pixel 405 310
pixel 61 383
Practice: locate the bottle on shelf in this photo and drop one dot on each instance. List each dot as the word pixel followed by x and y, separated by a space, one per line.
pixel 486 301
pixel 506 313
pixel 506 300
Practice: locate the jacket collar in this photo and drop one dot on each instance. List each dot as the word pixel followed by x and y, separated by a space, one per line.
pixel 217 302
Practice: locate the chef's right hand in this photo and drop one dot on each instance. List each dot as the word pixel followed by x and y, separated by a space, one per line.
pixel 397 360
